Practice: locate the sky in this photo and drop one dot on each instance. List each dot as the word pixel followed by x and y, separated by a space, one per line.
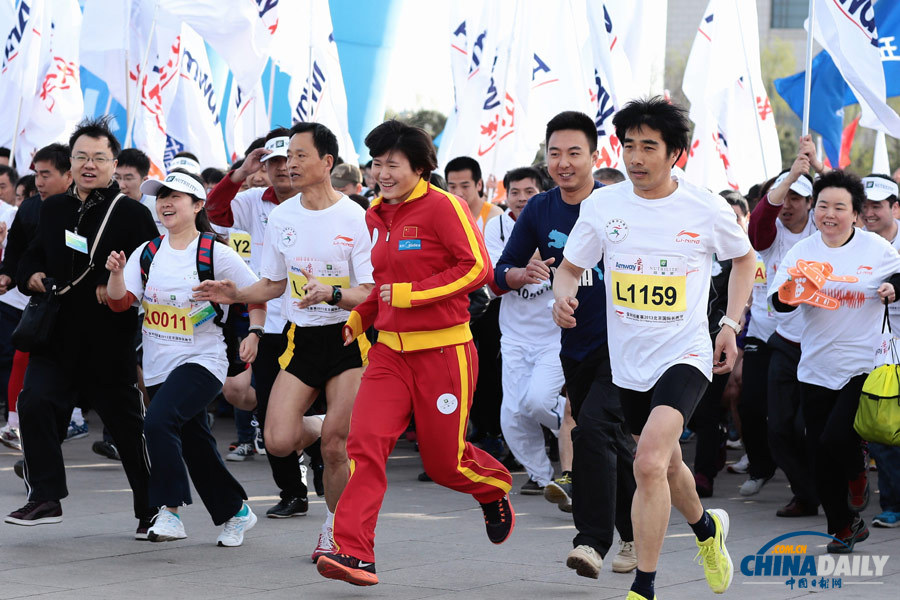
pixel 419 75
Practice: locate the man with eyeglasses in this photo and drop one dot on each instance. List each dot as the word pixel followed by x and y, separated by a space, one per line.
pixel 92 352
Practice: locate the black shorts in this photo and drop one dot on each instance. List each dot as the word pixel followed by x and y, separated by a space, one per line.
pixel 235 329
pixel 681 387
pixel 316 354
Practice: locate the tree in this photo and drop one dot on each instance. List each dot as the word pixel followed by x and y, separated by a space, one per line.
pixel 431 121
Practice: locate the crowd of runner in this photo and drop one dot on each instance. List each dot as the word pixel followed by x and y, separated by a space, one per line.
pixel 568 315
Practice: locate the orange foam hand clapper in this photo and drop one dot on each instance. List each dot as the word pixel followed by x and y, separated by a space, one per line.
pixel 807 278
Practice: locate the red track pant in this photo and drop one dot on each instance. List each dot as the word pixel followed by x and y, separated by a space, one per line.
pixel 437 386
pixel 16 378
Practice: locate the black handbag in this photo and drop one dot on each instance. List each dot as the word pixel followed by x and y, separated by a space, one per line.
pixel 35 329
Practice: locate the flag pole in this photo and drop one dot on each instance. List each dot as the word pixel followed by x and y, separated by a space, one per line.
pixel 140 75
pixel 807 81
pixel 12 152
pixel 762 151
pixel 271 91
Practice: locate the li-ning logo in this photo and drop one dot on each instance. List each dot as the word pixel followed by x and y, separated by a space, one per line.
pixel 687 237
pixel 342 240
pixel 804 571
pixel 863 270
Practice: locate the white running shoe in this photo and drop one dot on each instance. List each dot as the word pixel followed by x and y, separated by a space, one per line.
pixel 233 533
pixel 325 545
pixel 741 466
pixel 167 527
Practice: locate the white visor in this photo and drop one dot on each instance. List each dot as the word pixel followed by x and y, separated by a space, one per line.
pixel 174 181
pixel 802 186
pixel 878 189
pixel 183 162
pixel 276 147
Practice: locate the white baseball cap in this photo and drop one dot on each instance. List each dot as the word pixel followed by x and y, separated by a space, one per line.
pixel 277 146
pixel 878 188
pixel 183 162
pixel 802 186
pixel 180 182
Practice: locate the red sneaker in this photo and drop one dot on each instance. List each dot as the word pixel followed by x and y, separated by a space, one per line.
pixel 858 492
pixel 344 567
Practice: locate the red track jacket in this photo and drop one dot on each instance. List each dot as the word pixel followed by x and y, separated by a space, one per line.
pixel 433 255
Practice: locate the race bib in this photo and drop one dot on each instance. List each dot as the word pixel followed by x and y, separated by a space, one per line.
pixel 337 273
pixel 240 242
pixel 649 290
pixel 168 324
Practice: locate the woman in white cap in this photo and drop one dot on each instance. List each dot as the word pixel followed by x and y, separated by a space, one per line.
pixel 185 361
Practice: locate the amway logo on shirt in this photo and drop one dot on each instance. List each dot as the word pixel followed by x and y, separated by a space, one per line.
pixel 687 237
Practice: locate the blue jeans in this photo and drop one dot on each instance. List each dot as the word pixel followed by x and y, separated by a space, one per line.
pixel 177 433
pixel 887 458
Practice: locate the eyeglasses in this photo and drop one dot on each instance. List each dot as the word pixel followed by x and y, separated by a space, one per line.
pixel 81 159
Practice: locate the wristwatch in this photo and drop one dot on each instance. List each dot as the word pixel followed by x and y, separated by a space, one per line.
pixel 259 331
pixel 725 320
pixel 336 295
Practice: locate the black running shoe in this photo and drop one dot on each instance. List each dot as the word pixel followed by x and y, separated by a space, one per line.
pixel 855 532
pixel 36 513
pixel 344 567
pixel 106 449
pixel 288 507
pixel 499 519
pixel 531 488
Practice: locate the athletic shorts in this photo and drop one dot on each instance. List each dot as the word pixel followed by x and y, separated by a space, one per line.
pixel 681 387
pixel 316 354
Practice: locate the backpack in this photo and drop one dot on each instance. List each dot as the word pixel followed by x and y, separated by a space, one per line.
pixel 204 264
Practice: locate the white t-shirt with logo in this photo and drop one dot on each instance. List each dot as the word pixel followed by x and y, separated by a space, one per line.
pixel 763 317
pixel 175 330
pixel 894 307
pixel 840 344
pixel 332 244
pixel 658 257
pixel 525 314
pixel 251 215
pixel 13 297
pixel 789 324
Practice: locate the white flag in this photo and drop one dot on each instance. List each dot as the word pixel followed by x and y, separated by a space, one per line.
pixel 304 48
pixel 847 31
pixel 20 70
pixel 59 104
pixel 612 83
pixel 105 39
pixel 240 31
pixel 880 161
pixel 193 120
pixel 640 29
pixel 246 119
pixel 723 82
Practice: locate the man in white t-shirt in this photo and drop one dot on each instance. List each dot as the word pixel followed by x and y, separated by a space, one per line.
pixel 316 257
pixel 780 220
pixel 657 237
pixel 529 343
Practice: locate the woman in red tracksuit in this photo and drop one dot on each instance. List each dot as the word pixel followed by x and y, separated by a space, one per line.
pixel 427 256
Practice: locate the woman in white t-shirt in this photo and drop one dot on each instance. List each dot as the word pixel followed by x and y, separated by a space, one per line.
pixel 841 325
pixel 185 360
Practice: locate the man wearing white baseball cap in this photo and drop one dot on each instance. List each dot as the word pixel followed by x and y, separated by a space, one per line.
pixel 877 214
pixel 780 220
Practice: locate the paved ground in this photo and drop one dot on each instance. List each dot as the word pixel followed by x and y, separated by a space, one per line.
pixel 431 544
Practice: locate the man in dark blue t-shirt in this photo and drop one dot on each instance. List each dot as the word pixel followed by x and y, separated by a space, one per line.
pixel 603 480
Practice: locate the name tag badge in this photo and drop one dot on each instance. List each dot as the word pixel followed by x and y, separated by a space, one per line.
pixel 409 245
pixel 202 314
pixel 76 242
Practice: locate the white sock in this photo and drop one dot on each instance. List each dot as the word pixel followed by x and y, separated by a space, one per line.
pixel 13 420
pixel 77 417
pixel 329 519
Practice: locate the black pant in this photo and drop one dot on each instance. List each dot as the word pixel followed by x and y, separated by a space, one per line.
pixel 706 422
pixel 787 430
pixel 753 408
pixel 833 445
pixel 45 409
pixel 177 432
pixel 285 469
pixel 603 457
pixel 485 412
